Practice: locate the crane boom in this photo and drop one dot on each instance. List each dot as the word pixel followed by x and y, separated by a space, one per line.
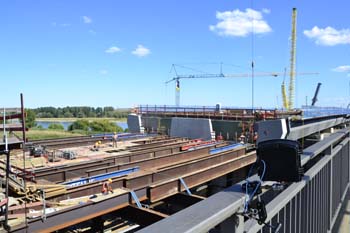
pixel 243 75
pixel 222 76
pixel 314 100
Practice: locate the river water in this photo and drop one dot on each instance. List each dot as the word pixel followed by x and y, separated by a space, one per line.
pixel 66 124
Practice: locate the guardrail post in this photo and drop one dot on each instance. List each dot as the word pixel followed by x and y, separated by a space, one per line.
pixel 330 195
pixel 235 224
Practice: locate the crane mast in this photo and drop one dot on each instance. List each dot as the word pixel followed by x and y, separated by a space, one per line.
pixel 289 103
pixel 292 60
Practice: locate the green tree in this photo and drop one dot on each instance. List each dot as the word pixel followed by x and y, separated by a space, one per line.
pixel 79 124
pixel 30 118
pixel 56 126
pixel 104 126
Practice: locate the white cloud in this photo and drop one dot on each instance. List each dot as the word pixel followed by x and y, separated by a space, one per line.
pixel 54 24
pixel 240 23
pixel 345 68
pixel 266 11
pixel 112 50
pixel 141 51
pixel 87 19
pixel 103 72
pixel 328 36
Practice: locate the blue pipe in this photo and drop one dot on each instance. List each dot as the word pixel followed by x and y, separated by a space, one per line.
pixel 105 176
pixel 225 148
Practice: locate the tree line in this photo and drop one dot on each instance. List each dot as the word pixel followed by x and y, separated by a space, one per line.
pixel 80 112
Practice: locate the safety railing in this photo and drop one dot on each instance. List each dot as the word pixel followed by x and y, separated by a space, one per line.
pixel 311 205
pixel 212 111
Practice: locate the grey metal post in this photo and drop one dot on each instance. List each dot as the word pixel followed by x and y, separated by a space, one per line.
pixel 233 224
pixel 43 217
pixel 7 152
pixel 330 196
pixel 23 120
pixel 6 226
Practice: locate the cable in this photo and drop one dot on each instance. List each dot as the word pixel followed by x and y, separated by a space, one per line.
pixel 249 197
pixel 252 47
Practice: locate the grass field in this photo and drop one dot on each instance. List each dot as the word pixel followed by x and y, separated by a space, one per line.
pixel 85 118
pixel 33 134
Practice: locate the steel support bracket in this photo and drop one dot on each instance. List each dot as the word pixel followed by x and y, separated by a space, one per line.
pixel 136 199
pixel 185 186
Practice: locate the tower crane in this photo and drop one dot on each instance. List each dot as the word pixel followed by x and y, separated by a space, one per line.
pixel 220 75
pixel 289 103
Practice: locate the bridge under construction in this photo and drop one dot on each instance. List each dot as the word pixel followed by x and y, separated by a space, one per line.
pixel 186 178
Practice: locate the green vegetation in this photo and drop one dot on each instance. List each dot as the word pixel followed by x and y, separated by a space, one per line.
pixel 79 125
pixel 80 112
pixel 56 126
pixel 104 126
pixel 33 134
pixel 97 126
pixel 72 119
pixel 30 118
pixel 37 133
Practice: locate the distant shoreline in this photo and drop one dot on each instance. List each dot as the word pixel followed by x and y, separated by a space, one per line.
pixel 72 119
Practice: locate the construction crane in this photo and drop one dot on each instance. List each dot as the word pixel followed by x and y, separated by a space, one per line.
pixel 220 75
pixel 289 103
pixel 314 100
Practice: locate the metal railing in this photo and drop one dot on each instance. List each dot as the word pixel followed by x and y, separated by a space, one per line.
pixel 210 111
pixel 311 205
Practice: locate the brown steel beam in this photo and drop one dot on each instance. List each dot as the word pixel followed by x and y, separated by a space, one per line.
pixel 170 187
pixel 13 116
pixel 143 179
pixel 139 180
pixel 78 214
pixel 153 162
pixel 63 173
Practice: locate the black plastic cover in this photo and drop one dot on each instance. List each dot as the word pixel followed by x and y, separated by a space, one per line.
pixel 282 159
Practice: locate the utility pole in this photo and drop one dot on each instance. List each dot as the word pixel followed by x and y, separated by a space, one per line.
pixel 7 153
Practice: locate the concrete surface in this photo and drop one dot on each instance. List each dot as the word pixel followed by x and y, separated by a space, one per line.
pixel 192 128
pixel 135 124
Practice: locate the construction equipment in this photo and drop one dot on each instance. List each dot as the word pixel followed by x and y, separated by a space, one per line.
pixel 220 75
pixel 68 154
pixel 289 103
pixel 314 100
pixel 37 151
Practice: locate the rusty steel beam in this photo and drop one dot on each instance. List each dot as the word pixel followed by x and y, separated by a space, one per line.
pixel 64 173
pixel 154 139
pixel 153 162
pixel 139 180
pixel 149 153
pixel 13 116
pixel 95 187
pixel 143 179
pixel 157 143
pixel 77 214
pixel 170 187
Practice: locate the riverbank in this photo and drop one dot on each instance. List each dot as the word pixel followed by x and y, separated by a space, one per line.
pixel 72 119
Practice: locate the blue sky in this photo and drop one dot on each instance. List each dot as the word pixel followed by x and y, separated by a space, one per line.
pixel 119 53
